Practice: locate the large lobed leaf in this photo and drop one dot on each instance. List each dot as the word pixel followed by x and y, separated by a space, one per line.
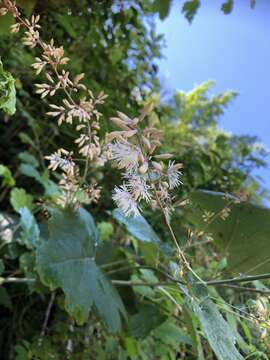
pixel 67 260
pixel 243 236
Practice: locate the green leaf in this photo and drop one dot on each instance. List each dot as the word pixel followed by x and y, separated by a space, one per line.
pixel 148 277
pixel 67 22
pixel 51 189
pixel 148 318
pixel 192 324
pixel 252 4
pixel 5 298
pixel 116 54
pixel 30 170
pixel 105 230
pixel 137 226
pixel 7 91
pixel 21 353
pixel 20 199
pixel 30 234
pixel 222 338
pixel 131 347
pixel 243 236
pixel 67 261
pixel 227 7
pixel 172 335
pixel 142 230
pixel 28 158
pixel 162 7
pixel 27 5
pixel 150 252
pixel 190 8
pixel 5 23
pixel 8 179
pixel 2 267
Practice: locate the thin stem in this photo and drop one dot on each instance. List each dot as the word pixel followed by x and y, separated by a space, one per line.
pixel 46 319
pixel 164 291
pixel 239 279
pixel 140 283
pixel 114 263
pixel 247 289
pixel 181 254
pixel 149 268
pixel 12 280
pixel 87 158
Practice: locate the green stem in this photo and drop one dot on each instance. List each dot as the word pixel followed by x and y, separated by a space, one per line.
pixel 239 279
pixel 247 289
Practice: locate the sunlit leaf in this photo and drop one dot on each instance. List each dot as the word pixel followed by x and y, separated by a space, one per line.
pixel 5 173
pixel 20 199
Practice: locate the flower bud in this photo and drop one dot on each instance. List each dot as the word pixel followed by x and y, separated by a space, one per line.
pixel 146 142
pixel 143 169
pixel 141 158
pixel 157 165
pixel 164 156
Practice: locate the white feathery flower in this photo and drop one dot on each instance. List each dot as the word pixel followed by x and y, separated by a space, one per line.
pixel 138 187
pixel 125 201
pixel 174 175
pixel 126 156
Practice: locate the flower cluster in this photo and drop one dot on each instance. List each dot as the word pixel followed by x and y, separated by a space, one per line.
pixel 146 176
pixel 78 108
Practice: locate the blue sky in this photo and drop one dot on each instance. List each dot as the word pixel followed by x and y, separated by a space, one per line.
pixel 234 51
